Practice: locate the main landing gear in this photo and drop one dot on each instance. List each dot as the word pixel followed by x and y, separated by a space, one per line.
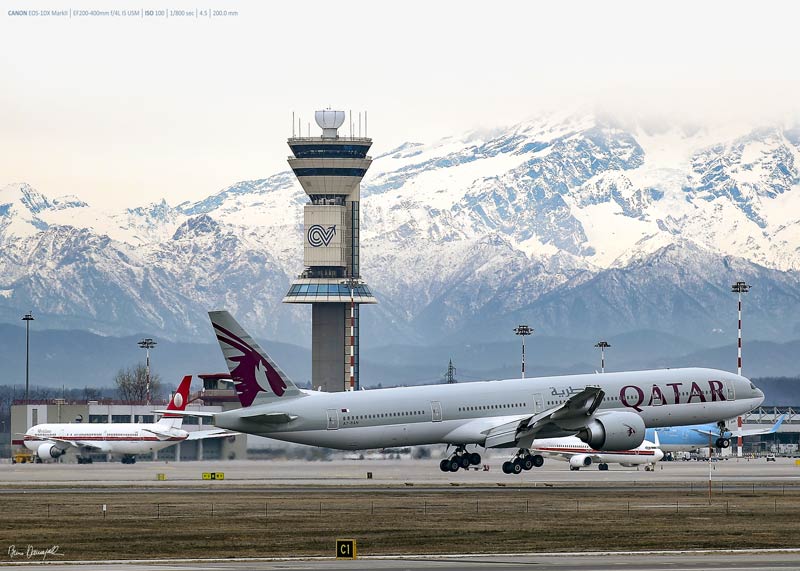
pixel 84 459
pixel 128 460
pixel 460 459
pixel 524 460
pixel 602 466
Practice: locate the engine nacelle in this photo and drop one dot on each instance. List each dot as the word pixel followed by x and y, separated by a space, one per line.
pixel 614 431
pixel 580 461
pixel 48 450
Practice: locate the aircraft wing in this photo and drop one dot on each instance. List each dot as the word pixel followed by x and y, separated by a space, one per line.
pixel 215 433
pixel 60 442
pixel 571 415
pixel 774 428
pixel 751 432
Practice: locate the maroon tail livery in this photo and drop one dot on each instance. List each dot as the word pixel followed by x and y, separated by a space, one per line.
pixel 253 372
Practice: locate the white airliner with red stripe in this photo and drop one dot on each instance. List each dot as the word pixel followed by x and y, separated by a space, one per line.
pixel 580 455
pixel 126 439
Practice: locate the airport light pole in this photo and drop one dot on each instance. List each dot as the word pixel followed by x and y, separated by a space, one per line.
pixel 352 283
pixel 602 345
pixel 27 318
pixel 523 331
pixel 739 288
pixel 147 344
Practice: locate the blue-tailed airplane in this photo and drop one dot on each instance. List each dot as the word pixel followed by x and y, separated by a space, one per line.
pixel 694 437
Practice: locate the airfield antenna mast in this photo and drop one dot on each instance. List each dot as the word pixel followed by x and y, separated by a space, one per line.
pixel 739 288
pixel 523 331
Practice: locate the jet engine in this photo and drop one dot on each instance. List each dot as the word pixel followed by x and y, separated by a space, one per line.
pixel 580 461
pixel 614 431
pixel 48 450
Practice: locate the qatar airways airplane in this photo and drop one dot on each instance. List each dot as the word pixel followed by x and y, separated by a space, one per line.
pixel 608 411
pixel 49 441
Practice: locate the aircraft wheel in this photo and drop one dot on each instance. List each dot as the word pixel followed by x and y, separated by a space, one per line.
pixel 475 459
pixel 516 466
pixel 603 467
pixel 527 463
pixel 80 460
pixel 444 465
pixel 508 468
pixel 538 460
pixel 454 465
pixel 464 461
pixel 574 468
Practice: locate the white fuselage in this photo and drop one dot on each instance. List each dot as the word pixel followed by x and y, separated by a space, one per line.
pixel 564 448
pixel 463 413
pixel 112 438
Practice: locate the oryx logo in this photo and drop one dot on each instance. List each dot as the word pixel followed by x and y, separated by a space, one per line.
pixel 253 372
pixel 319 236
pixel 631 430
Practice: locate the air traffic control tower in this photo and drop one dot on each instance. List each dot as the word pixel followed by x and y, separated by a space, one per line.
pixel 330 169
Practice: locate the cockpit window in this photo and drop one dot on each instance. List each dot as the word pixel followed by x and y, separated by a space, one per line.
pixel 752 386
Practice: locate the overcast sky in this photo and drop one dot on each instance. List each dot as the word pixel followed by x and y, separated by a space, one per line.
pixel 125 111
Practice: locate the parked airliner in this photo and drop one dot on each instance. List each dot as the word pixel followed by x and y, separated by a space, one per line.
pixel 580 455
pixel 50 441
pixel 607 411
pixel 688 438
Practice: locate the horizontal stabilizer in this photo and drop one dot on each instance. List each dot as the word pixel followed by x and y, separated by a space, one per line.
pixel 270 417
pixel 216 433
pixel 185 413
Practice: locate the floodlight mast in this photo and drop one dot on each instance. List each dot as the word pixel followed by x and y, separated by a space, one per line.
pixel 739 288
pixel 27 318
pixel 523 331
pixel 602 345
pixel 147 344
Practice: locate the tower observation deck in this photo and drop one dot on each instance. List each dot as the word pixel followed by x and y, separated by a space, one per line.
pixel 330 169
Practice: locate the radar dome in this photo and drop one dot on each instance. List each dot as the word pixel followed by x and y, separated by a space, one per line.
pixel 329 121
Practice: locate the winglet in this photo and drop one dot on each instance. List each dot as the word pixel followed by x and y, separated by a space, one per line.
pixel 180 398
pixel 252 370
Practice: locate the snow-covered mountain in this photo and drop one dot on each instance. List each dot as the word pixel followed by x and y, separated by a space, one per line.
pixel 578 224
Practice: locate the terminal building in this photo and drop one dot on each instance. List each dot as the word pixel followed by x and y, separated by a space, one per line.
pixel 217 395
pixel 330 168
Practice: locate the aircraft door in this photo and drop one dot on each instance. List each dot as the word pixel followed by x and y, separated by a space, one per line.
pixel 538 403
pixel 333 418
pixel 731 392
pixel 436 411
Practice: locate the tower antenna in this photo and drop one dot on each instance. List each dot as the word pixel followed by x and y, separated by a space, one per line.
pixel 292 124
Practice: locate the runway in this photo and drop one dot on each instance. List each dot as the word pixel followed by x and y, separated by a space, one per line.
pixel 648 561
pixel 276 475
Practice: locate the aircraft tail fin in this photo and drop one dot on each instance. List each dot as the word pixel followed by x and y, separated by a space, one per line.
pixel 255 375
pixel 177 403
